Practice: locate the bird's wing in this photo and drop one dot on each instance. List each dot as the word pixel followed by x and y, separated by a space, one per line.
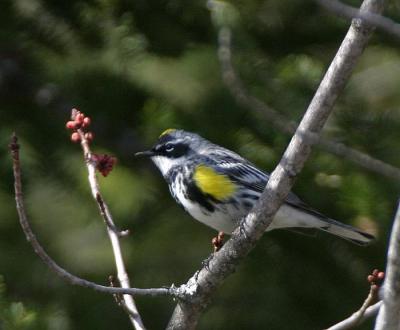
pixel 238 169
pixel 244 173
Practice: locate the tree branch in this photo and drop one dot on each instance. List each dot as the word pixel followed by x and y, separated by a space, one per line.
pixel 243 98
pixel 357 318
pixel 369 308
pixel 51 264
pixel 197 292
pixel 343 10
pixel 389 315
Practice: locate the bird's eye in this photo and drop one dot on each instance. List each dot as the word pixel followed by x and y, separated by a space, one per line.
pixel 169 147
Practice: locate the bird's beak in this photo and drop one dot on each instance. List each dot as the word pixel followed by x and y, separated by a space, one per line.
pixel 147 153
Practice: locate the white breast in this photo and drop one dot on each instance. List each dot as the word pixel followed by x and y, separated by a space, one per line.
pixel 222 219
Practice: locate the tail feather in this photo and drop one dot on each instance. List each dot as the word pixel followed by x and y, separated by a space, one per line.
pixel 346 232
pixel 290 216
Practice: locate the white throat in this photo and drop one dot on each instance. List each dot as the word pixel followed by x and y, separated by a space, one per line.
pixel 164 164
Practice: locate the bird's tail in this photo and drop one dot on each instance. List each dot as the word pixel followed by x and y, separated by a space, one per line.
pixel 292 216
pixel 346 232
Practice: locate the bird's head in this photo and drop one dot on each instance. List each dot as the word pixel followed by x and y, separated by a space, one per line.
pixel 173 148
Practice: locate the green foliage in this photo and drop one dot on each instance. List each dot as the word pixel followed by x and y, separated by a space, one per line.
pixel 14 315
pixel 140 67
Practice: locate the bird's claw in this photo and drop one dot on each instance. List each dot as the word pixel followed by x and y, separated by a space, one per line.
pixel 218 241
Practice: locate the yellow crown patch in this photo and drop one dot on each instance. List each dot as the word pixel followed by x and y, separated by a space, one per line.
pixel 213 183
pixel 167 131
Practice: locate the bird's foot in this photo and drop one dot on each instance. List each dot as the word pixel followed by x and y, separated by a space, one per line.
pixel 218 241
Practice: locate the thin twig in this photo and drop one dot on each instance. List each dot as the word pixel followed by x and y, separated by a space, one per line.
pixel 365 311
pixel 346 11
pixel 389 315
pixel 371 298
pixel 119 298
pixel 200 287
pixel 242 97
pixel 357 318
pixel 113 235
pixel 51 264
pixel 110 224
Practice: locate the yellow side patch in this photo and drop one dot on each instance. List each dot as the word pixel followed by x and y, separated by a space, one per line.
pixel 169 130
pixel 213 183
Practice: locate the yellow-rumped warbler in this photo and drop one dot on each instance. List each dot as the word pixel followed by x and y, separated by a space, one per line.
pixel 218 187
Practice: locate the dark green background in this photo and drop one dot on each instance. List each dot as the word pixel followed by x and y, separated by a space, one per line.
pixel 138 67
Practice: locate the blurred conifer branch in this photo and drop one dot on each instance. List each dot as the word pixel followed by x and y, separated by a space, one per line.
pixel 55 28
pixel 203 284
pixel 243 98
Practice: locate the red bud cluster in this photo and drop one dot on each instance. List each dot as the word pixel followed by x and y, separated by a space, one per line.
pixel 104 163
pixel 79 122
pixel 79 126
pixel 376 278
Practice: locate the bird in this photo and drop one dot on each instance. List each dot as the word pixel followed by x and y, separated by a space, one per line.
pixel 218 187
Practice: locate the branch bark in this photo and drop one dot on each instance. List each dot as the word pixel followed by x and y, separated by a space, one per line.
pixel 389 315
pixel 196 294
